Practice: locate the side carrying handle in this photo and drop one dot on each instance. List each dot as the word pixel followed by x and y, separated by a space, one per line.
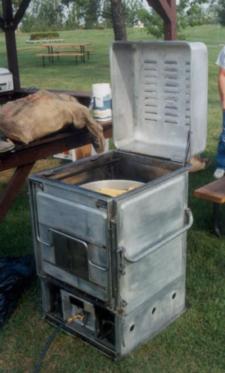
pixel 168 238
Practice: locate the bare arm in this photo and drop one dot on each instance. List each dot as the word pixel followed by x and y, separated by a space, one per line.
pixel 221 85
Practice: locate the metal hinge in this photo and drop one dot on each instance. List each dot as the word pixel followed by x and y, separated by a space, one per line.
pixel 121 264
pixel 37 184
pixel 101 204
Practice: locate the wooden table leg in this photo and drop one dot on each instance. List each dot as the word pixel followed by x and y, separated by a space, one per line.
pixel 217 220
pixel 15 184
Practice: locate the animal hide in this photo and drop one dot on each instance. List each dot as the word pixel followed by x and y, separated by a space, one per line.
pixel 42 113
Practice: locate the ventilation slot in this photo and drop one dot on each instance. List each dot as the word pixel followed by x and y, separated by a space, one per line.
pixel 152 93
pixel 150 105
pixel 171 76
pixel 150 62
pixel 171 107
pixel 172 84
pixel 148 84
pixel 150 120
pixel 150 65
pixel 151 76
pixel 168 121
pixel 171 69
pixel 170 114
pixel 172 99
pixel 170 62
pixel 150 99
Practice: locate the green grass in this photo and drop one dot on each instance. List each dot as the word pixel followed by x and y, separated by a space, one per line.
pixel 196 341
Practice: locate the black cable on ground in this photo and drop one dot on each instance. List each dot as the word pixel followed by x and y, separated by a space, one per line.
pixel 45 349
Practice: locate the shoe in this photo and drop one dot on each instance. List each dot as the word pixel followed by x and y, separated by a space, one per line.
pixel 198 164
pixel 219 172
pixel 6 146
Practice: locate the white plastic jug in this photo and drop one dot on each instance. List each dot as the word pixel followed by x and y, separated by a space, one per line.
pixel 102 102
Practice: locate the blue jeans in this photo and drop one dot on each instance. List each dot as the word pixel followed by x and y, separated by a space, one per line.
pixel 220 157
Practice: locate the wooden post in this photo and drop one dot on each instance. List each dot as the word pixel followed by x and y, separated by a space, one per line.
pixel 9 24
pixel 10 38
pixel 167 11
pixel 171 26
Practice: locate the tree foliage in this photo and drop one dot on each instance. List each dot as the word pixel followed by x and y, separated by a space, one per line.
pixel 189 13
pixel 44 15
pixel 221 12
pixel 85 12
pixel 132 9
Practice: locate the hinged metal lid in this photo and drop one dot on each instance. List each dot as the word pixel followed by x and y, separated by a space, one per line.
pixel 160 92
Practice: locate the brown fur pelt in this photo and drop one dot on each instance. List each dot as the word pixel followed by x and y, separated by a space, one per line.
pixel 42 113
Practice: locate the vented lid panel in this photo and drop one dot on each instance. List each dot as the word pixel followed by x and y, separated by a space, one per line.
pixel 160 97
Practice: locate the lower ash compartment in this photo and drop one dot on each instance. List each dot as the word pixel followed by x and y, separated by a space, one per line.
pixel 114 333
pixel 78 315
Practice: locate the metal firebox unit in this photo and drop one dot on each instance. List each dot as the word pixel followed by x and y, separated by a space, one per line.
pixel 113 268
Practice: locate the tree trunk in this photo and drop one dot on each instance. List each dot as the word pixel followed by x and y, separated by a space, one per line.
pixel 118 20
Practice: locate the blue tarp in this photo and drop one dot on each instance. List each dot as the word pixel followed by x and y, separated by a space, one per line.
pixel 15 276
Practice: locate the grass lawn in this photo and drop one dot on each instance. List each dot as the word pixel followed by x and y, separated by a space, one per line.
pixel 195 343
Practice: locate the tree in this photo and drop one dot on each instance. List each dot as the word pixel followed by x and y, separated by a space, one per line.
pixel 92 13
pixel 221 12
pixel 91 10
pixel 107 13
pixel 189 13
pixel 118 20
pixel 50 14
pixel 86 12
pixel 132 8
pixel 211 12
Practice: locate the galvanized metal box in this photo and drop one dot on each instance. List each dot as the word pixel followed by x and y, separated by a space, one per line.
pixel 113 269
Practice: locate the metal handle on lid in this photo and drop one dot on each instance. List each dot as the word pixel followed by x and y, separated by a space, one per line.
pixel 167 239
pixel 97 266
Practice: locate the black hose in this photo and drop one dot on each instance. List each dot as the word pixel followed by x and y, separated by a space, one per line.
pixel 45 349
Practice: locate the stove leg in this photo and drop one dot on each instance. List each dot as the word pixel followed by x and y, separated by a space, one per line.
pixel 217 220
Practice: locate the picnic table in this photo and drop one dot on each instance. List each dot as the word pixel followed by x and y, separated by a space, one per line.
pixel 55 50
pixel 214 192
pixel 23 158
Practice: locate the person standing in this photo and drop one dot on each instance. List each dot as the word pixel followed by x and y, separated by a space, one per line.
pixel 220 157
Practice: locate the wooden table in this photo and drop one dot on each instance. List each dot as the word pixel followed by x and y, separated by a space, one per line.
pixel 57 50
pixel 24 157
pixel 214 192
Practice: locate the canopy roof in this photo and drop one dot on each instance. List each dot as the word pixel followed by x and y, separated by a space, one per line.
pixel 9 23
